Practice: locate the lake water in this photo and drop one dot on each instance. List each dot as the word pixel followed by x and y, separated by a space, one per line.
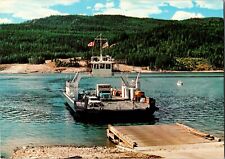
pixel 33 111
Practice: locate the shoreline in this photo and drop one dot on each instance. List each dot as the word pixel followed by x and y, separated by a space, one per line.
pixel 51 68
pixel 70 151
pixel 189 151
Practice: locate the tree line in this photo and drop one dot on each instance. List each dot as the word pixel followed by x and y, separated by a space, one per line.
pixel 140 41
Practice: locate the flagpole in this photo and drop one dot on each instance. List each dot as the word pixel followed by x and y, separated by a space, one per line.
pixel 101 47
pixel 99 38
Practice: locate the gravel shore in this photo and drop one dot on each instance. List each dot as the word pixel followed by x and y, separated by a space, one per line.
pixel 63 152
pixel 191 151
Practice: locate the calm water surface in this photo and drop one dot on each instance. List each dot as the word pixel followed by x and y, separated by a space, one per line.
pixel 33 112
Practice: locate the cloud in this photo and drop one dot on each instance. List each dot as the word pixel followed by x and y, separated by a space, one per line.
pixel 141 8
pixel 88 7
pixel 181 15
pixel 210 4
pixel 109 4
pixel 5 21
pixel 146 8
pixel 99 6
pixel 31 9
pixel 180 4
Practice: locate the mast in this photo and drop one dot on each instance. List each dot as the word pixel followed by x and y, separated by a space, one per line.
pixel 101 65
pixel 100 44
pixel 100 47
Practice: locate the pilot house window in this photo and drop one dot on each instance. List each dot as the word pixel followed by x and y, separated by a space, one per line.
pixel 95 66
pixel 108 66
pixel 102 66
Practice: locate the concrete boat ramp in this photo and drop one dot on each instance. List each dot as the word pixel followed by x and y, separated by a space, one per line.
pixel 168 140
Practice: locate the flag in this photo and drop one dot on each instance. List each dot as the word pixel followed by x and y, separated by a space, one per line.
pixel 105 45
pixel 91 44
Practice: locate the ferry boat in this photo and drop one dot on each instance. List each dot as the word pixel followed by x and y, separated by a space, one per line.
pixel 109 104
pixel 106 103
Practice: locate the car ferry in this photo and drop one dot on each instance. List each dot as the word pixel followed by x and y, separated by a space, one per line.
pixel 106 103
pixel 127 103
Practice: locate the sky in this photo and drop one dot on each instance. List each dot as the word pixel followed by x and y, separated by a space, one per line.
pixel 17 11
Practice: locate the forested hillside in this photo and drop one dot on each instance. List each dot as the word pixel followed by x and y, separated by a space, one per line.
pixel 160 44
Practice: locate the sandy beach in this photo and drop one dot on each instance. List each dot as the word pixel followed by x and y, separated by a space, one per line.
pixel 41 68
pixel 51 68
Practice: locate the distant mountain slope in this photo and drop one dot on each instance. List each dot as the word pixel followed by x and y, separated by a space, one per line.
pixel 141 41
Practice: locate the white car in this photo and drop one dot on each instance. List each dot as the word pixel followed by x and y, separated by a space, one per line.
pixel 93 100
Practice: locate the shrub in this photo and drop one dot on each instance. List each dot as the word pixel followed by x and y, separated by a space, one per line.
pixel 36 60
